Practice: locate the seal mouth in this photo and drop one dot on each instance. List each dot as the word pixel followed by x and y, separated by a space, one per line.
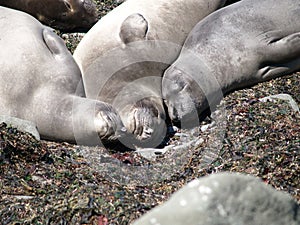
pixel 108 124
pixel 175 92
pixel 179 97
pixel 183 115
pixel 145 124
pixel 172 111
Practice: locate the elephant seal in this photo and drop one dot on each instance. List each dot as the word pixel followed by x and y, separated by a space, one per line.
pixel 122 59
pixel 237 46
pixel 41 82
pixel 64 15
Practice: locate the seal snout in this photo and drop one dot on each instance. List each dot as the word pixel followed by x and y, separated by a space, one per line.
pixel 143 123
pixel 146 125
pixel 108 123
pixel 178 96
pixel 174 86
pixel 172 112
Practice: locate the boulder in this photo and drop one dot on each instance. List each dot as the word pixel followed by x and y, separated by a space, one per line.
pixel 21 125
pixel 225 199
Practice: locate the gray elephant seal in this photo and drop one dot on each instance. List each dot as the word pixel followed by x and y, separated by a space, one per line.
pixel 41 82
pixel 238 46
pixel 64 15
pixel 123 57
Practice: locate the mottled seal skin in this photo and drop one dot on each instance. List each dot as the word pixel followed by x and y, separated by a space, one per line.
pixel 128 41
pixel 237 46
pixel 41 82
pixel 64 15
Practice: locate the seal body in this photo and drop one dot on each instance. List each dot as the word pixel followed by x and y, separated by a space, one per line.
pixel 237 46
pixel 64 15
pixel 123 57
pixel 41 82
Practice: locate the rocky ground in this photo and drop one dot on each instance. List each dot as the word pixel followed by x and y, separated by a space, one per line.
pixel 45 182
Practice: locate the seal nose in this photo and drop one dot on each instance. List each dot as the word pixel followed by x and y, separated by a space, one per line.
pixel 172 111
pixel 174 117
pixel 121 132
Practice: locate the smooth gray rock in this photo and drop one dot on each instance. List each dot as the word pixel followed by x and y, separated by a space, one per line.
pixel 225 199
pixel 22 125
pixel 284 97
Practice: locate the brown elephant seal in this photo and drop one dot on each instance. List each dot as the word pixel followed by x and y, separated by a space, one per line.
pixel 237 46
pixel 41 82
pixel 64 15
pixel 123 57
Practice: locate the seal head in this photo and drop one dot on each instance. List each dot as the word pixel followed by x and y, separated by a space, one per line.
pixel 64 15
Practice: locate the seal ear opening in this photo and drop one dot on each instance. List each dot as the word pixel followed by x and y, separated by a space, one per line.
pixel 54 43
pixel 133 28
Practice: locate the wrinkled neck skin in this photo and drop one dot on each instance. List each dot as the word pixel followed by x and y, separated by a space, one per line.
pixel 61 118
pixel 243 45
pixel 80 120
pixel 94 121
pixel 203 76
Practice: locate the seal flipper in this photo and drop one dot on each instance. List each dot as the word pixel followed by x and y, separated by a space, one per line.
pixel 55 44
pixel 271 72
pixel 133 28
pixel 286 48
pixel 283 57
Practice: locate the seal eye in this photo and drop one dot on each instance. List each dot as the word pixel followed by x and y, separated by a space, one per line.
pixel 68 6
